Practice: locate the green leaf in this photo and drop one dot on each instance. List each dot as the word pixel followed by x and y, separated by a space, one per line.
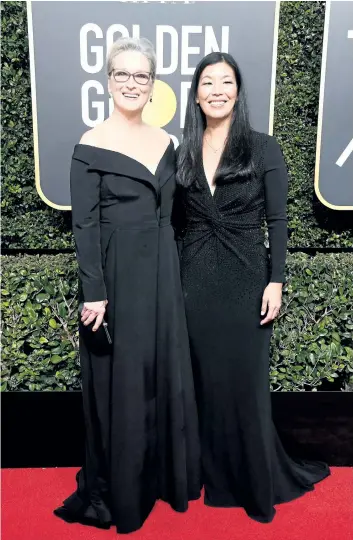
pixel 42 297
pixel 53 324
pixel 336 337
pixel 62 310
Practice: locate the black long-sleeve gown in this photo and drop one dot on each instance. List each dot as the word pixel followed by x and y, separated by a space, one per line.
pixel 225 269
pixel 139 403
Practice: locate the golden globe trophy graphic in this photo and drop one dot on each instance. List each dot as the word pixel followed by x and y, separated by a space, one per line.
pixel 163 107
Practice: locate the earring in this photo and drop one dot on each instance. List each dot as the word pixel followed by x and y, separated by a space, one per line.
pixel 151 99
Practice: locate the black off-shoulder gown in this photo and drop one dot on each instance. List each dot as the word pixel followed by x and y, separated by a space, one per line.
pixel 225 269
pixel 139 404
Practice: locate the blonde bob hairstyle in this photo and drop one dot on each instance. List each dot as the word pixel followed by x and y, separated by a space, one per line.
pixel 142 45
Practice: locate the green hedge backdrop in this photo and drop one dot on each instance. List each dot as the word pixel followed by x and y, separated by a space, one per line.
pixel 311 345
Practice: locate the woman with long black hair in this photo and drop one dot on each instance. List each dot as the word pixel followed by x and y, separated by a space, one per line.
pixel 233 180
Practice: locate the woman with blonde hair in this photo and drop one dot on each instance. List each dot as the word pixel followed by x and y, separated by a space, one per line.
pixel 139 406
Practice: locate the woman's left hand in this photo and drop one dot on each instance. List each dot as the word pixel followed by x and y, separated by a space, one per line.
pixel 271 302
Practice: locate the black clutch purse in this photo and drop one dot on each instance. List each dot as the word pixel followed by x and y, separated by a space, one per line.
pixel 100 341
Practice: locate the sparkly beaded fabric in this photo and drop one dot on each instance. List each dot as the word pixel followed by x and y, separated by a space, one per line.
pixel 225 269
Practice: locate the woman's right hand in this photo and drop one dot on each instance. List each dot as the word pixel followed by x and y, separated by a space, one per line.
pixel 93 310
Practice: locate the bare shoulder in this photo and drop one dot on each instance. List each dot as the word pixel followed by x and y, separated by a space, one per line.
pixel 160 136
pixel 164 135
pixel 94 136
pixel 88 137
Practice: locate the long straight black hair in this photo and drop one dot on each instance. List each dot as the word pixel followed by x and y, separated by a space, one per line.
pixel 236 160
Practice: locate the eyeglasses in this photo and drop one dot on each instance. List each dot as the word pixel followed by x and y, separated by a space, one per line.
pixel 140 77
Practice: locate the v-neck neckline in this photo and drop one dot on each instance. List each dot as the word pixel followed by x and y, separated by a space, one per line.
pixel 133 159
pixel 208 185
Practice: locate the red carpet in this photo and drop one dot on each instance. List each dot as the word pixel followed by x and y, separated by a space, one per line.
pixel 29 496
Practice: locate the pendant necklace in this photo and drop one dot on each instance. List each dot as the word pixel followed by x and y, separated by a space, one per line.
pixel 214 150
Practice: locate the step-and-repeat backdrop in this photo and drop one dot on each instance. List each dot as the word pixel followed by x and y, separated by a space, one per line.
pixel 68 47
